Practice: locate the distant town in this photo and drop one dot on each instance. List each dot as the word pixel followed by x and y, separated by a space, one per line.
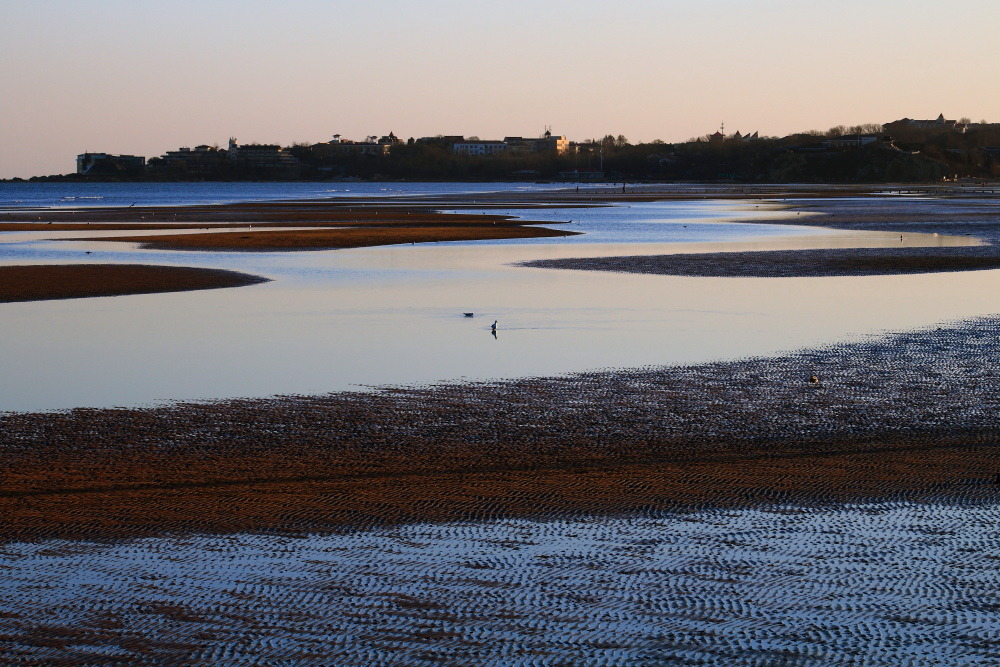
pixel 906 150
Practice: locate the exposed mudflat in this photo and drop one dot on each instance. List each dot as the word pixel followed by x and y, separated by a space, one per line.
pixel 324 239
pixel 333 224
pixel 792 263
pixel 881 583
pixel 73 281
pixel 903 413
pixel 975 218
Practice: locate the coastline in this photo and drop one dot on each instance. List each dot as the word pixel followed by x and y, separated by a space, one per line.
pixel 574 516
pixel 791 263
pixel 875 425
pixel 889 416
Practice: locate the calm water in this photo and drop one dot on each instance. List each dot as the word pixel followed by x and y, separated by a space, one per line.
pixel 347 319
pixel 75 195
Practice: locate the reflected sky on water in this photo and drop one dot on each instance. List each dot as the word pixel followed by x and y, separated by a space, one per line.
pixel 346 319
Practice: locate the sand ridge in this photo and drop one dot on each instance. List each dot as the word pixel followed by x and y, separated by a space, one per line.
pixel 911 414
pixel 71 281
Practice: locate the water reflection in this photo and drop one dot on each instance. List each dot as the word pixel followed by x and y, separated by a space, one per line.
pixel 353 318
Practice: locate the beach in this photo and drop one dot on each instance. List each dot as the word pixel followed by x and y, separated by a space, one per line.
pixel 904 422
pixel 909 415
pixel 74 281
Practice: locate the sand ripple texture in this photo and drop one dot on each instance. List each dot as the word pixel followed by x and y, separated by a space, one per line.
pixel 881 583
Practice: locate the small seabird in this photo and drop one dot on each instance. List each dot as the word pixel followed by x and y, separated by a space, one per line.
pixel 813 379
pixel 494 325
pixel 468 314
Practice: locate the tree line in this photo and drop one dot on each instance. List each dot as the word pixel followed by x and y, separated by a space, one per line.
pixel 898 153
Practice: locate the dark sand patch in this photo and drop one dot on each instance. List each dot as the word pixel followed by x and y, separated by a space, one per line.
pixel 791 263
pixel 913 414
pixel 234 216
pixel 72 281
pixel 324 239
pixel 334 225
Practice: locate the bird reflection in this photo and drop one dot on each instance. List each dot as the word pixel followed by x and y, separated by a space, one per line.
pixel 494 332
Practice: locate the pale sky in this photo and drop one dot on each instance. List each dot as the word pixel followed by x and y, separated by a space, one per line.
pixel 142 77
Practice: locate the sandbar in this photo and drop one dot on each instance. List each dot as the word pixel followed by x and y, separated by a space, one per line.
pixel 886 417
pixel 327 239
pixel 332 225
pixel 791 263
pixel 73 281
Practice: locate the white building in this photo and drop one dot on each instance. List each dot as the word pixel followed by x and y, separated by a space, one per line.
pixel 484 148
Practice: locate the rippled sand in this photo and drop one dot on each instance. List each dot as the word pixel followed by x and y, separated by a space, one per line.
pixel 880 583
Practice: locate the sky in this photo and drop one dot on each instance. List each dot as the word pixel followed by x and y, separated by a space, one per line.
pixel 142 77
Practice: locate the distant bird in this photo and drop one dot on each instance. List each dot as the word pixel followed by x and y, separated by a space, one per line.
pixel 494 325
pixel 813 379
pixel 468 314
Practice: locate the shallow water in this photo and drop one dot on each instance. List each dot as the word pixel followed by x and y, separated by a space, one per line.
pixel 82 195
pixel 880 583
pixel 344 319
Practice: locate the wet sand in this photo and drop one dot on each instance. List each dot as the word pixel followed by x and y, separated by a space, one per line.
pixel 792 263
pixel 326 239
pixel 73 281
pixel 912 414
pixel 956 217
pixel 900 415
pixel 336 225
